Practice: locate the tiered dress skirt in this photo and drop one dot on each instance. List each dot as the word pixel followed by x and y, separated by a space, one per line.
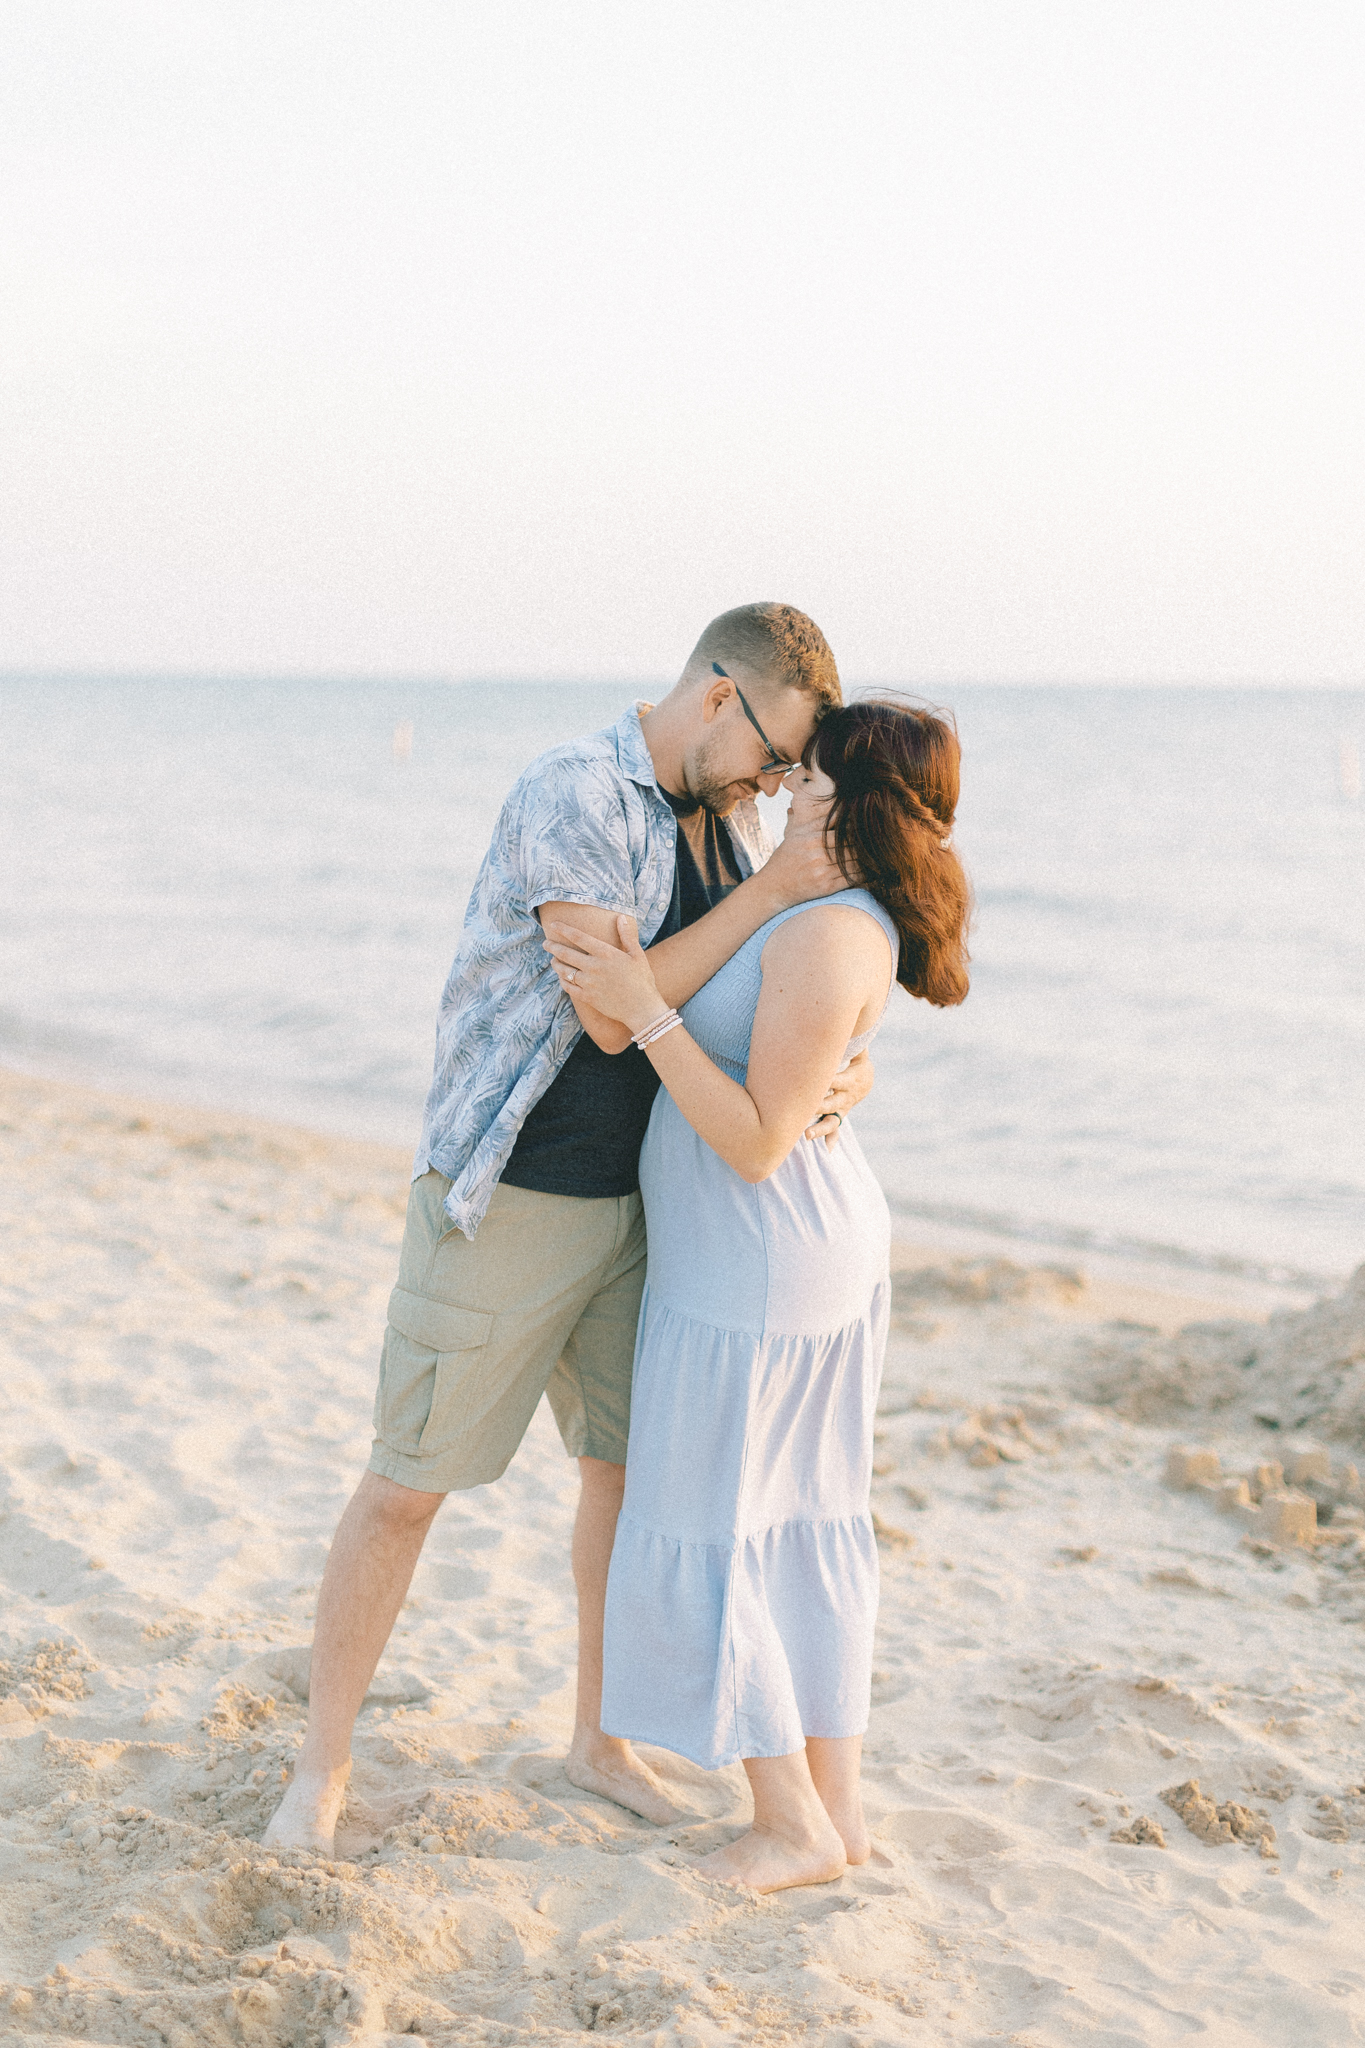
pixel 743 1588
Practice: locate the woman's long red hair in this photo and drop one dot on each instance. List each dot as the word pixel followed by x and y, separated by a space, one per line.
pixel 894 767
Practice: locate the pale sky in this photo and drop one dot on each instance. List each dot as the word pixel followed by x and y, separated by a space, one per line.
pixel 1013 341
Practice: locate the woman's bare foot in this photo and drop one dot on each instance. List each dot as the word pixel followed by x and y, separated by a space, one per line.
pixel 764 1861
pixel 606 1765
pixel 306 1817
pixel 851 1827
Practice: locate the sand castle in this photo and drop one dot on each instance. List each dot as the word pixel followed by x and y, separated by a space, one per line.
pixel 1278 1505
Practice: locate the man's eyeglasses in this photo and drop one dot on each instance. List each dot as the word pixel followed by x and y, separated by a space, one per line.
pixel 776 763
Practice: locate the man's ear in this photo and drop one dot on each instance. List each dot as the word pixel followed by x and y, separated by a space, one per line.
pixel 717 692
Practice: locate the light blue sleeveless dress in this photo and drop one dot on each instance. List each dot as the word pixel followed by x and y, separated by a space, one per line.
pixel 743 1587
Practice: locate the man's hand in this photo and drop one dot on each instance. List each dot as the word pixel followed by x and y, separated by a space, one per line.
pixel 801 868
pixel 844 1093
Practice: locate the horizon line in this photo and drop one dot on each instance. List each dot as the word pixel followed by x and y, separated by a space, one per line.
pixel 398 679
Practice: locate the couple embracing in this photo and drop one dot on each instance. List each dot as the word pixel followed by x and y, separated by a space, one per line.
pixel 634 1192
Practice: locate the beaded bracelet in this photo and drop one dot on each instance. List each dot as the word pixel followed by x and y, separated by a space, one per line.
pixel 656 1029
pixel 662 1032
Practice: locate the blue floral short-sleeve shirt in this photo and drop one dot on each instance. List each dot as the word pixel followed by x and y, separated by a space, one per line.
pixel 585 823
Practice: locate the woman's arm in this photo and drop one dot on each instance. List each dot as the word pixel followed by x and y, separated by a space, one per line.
pixel 846 1089
pixel 799 870
pixel 816 984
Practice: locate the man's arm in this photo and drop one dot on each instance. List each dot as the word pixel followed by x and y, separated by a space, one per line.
pixel 570 839
pixel 603 1031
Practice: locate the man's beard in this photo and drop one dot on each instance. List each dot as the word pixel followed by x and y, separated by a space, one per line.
pixel 709 790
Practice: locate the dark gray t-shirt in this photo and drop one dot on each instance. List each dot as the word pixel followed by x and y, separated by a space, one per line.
pixel 583 1137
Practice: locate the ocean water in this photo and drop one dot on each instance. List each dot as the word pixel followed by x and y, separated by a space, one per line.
pixel 248 894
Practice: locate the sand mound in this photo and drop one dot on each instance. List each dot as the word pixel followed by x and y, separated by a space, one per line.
pixel 1215 1824
pixel 1142 1833
pixel 978 1281
pixel 1302 1369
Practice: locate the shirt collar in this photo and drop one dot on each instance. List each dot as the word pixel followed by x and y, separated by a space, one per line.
pixel 631 750
pixel 747 830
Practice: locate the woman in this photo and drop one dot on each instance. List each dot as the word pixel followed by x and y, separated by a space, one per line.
pixel 743 1587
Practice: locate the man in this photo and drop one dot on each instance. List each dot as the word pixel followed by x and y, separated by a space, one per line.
pixel 523 1255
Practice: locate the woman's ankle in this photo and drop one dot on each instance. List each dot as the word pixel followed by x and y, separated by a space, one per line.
pixel 802 1829
pixel 320 1770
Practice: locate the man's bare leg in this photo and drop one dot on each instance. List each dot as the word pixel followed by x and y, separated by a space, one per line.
pixel 369 1569
pixel 597 1762
pixel 792 1841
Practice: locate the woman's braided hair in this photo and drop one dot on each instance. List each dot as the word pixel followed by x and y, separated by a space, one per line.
pixel 894 766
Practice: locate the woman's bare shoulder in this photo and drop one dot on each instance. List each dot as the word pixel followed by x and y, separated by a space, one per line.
pixel 835 921
pixel 846 934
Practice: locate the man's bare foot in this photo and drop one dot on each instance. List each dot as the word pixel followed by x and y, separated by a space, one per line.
pixel 611 1768
pixel 762 1861
pixel 306 1817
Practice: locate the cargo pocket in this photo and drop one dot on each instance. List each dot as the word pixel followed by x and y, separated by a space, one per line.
pixel 430 1361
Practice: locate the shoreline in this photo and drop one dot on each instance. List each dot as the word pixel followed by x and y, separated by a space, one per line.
pixel 1174 1279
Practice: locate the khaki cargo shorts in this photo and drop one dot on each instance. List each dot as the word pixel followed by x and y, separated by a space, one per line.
pixel 544 1300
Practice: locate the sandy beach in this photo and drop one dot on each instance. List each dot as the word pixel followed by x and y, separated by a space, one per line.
pixel 192 1312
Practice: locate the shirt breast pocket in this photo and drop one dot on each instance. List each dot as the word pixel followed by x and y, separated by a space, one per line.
pixel 429 1372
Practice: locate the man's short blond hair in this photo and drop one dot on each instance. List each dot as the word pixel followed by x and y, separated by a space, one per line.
pixel 777 642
